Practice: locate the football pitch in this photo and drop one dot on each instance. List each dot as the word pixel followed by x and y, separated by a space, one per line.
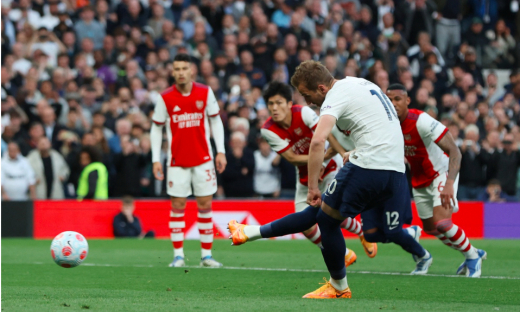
pixel 133 275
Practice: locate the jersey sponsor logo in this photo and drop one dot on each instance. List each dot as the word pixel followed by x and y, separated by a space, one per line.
pixel 434 125
pixel 199 104
pixel 176 109
pixel 409 150
pixel 302 146
pixel 187 120
pixel 298 131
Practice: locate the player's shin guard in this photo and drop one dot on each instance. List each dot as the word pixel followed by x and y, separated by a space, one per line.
pixel 177 226
pixel 352 225
pixel 457 237
pixel 406 242
pixel 314 236
pixel 334 248
pixel 205 224
pixel 291 224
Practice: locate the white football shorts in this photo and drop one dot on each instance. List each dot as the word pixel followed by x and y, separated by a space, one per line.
pixel 202 179
pixel 428 197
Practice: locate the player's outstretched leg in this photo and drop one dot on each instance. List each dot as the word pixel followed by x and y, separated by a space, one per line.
pixel 333 252
pixel 472 266
pixel 176 225
pixel 293 223
pixel 205 225
pixel 354 226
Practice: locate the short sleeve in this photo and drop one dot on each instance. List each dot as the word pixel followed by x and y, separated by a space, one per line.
pixel 160 113
pixel 212 108
pixel 430 128
pixel 334 104
pixel 277 143
pixel 309 117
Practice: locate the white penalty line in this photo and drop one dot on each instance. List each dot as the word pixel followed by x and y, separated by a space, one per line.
pixel 294 270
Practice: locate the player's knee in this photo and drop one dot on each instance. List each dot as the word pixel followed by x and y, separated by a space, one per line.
pixel 178 203
pixel 444 226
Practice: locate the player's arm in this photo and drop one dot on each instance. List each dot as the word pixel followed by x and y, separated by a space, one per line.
pixel 447 144
pixel 293 158
pixel 316 154
pixel 156 135
pixel 217 130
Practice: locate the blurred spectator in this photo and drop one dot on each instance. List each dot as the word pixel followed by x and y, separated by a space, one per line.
pixel 494 193
pixel 267 175
pixel 126 224
pixel 129 164
pixel 504 165
pixel 447 27
pixel 50 170
pixel 472 175
pixel 87 27
pixel 237 179
pixel 93 181
pixel 17 176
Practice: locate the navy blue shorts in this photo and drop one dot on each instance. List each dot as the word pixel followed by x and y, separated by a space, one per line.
pixel 391 215
pixel 356 190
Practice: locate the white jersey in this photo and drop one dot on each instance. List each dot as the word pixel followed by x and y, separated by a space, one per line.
pixel 17 176
pixel 365 114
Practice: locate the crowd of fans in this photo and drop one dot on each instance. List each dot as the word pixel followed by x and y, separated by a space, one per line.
pixel 77 78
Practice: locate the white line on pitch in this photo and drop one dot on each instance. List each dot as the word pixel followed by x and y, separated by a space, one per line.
pixel 291 270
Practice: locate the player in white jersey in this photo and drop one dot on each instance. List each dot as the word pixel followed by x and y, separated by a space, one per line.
pixel 289 131
pixel 190 110
pixel 372 179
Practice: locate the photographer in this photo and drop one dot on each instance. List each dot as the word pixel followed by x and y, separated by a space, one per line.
pixel 494 193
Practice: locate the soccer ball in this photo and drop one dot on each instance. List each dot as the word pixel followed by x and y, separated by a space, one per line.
pixel 69 249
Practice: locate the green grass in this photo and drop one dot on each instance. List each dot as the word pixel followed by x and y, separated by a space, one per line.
pixel 138 279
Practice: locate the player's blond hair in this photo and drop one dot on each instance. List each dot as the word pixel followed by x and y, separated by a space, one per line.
pixel 311 74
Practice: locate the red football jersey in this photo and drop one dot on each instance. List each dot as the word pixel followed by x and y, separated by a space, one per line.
pixel 188 126
pixel 427 160
pixel 298 137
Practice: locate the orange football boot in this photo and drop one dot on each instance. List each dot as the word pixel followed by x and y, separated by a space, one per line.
pixel 327 291
pixel 370 248
pixel 237 233
pixel 350 257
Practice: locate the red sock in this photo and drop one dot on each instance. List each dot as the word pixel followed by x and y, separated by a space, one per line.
pixel 352 225
pixel 177 226
pixel 315 236
pixel 205 224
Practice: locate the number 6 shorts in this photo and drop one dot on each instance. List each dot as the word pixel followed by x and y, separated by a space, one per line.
pixel 428 197
pixel 202 179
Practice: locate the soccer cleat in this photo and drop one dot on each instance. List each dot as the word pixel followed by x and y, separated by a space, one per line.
pixel 350 258
pixel 422 265
pixel 327 291
pixel 474 266
pixel 177 262
pixel 463 268
pixel 370 248
pixel 209 262
pixel 237 233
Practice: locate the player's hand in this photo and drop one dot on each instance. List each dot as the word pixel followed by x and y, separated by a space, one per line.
pixel 322 171
pixel 221 162
pixel 448 195
pixel 346 157
pixel 314 197
pixel 157 171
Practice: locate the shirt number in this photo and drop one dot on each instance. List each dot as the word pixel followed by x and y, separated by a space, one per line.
pixel 386 104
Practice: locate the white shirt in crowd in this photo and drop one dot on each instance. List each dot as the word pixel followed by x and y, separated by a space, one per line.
pixel 17 176
pixel 266 178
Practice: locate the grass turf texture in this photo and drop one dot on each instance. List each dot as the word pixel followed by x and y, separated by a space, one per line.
pixel 138 278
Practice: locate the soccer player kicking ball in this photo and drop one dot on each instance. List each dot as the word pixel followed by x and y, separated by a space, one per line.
pixel 435 162
pixel 373 177
pixel 190 109
pixel 289 132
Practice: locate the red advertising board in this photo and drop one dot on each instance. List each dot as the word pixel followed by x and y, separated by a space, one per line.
pixel 94 218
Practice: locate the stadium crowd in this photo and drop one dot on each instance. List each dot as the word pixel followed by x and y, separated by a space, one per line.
pixel 78 78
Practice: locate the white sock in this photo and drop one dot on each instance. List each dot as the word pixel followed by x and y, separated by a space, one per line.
pixel 410 231
pixel 340 285
pixel 426 255
pixel 178 252
pixel 346 252
pixel 252 232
